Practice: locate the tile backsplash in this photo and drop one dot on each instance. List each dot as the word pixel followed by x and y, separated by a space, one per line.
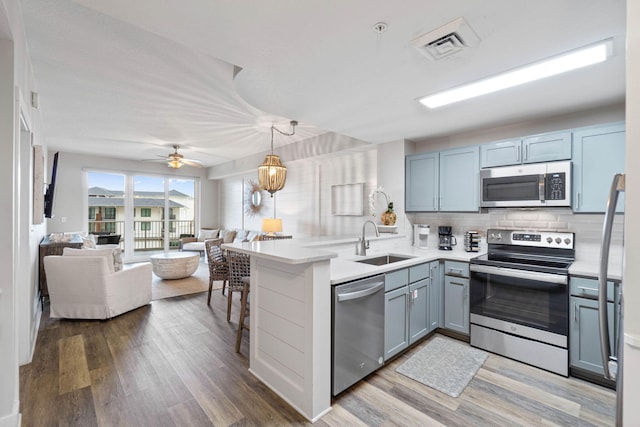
pixel 587 227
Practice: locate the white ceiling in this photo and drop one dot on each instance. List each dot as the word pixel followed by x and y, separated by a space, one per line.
pixel 131 78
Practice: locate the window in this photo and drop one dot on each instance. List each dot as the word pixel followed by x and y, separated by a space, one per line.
pixel 137 210
pixel 109 213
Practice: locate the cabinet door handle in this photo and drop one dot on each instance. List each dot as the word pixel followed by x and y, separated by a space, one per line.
pixel 435 203
pixel 518 153
pixel 578 202
pixel 575 312
pixel 526 152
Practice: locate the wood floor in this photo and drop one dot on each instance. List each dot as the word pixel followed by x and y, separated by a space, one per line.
pixel 172 363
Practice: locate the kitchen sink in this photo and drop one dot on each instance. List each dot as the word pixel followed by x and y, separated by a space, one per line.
pixel 384 259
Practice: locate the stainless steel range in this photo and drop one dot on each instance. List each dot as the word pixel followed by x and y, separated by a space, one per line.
pixel 519 301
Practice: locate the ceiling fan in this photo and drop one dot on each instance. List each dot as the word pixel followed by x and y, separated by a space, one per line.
pixel 176 160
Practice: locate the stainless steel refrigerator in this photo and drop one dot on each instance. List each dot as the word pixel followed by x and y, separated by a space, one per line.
pixel 613 364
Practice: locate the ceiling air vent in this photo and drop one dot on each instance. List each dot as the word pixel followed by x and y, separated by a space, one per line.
pixel 450 39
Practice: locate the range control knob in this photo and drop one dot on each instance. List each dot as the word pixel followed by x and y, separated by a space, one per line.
pixel 558 240
pixel 567 241
pixel 496 236
pixel 549 240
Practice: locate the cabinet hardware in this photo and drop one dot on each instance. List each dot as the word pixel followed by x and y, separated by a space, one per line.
pixel 575 312
pixel 518 153
pixel 526 152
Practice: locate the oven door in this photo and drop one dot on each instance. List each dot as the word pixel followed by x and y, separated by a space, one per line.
pixel 533 299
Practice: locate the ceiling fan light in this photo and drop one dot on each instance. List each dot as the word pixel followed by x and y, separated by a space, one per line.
pixel 175 163
pixel 272 174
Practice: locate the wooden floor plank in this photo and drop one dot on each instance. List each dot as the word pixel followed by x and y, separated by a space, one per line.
pixel 74 371
pixel 172 363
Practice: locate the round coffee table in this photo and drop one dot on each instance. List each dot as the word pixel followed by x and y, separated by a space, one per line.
pixel 175 265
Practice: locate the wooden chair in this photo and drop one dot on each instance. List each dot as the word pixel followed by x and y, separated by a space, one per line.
pixel 218 266
pixel 239 273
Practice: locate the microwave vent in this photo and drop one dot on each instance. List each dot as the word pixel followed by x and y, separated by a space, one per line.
pixel 448 40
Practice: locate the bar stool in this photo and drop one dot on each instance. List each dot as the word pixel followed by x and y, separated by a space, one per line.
pixel 239 281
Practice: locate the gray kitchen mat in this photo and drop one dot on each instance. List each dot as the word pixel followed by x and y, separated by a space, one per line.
pixel 445 365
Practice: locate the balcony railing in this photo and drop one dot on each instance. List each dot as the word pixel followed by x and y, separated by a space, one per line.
pixel 147 235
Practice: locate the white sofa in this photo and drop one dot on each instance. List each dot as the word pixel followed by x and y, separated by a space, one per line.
pixel 87 287
pixel 228 236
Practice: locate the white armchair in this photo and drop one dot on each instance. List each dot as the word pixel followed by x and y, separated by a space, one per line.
pixel 85 287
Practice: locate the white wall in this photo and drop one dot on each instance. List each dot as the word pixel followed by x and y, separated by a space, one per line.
pixel 607 114
pixel 304 204
pixel 19 308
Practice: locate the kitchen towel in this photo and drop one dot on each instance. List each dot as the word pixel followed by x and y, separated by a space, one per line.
pixel 445 365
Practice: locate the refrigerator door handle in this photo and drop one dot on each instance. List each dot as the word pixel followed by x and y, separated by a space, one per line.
pixel 616 187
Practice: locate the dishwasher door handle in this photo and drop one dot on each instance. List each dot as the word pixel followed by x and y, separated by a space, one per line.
pixel 361 293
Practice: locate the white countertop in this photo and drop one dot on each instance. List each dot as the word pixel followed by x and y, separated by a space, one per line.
pixel 284 251
pixel 344 267
pixel 587 262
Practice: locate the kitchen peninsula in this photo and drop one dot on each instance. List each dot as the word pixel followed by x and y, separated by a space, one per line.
pixel 290 339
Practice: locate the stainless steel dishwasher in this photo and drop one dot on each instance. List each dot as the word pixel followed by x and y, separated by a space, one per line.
pixel 357 331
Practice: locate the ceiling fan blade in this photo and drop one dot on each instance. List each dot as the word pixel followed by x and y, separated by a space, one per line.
pixel 192 162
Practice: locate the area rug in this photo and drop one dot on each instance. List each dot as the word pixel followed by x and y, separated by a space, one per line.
pixel 445 365
pixel 198 282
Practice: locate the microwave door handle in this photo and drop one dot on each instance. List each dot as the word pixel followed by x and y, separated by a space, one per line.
pixel 541 184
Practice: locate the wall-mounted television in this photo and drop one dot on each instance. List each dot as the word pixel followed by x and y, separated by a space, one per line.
pixel 48 196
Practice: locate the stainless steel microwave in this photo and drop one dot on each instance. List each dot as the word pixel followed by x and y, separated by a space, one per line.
pixel 530 185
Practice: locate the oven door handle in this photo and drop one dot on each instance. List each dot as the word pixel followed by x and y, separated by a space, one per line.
pixel 520 274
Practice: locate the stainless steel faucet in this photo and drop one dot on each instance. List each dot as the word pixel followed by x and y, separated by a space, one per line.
pixel 363 244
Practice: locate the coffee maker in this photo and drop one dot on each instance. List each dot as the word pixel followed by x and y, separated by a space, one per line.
pixel 447 240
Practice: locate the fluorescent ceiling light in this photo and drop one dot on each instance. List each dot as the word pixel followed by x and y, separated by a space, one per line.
pixel 573 60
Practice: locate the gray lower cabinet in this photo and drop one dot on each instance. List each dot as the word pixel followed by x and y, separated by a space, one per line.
pixel 396 323
pixel 584 330
pixel 435 296
pixel 584 335
pixel 456 296
pixel 406 314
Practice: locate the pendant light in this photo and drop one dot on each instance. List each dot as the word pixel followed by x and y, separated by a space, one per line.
pixel 272 174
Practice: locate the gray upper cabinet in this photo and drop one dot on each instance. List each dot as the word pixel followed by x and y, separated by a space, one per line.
pixel 598 154
pixel 442 181
pixel 459 179
pixel 545 147
pixel 501 153
pixel 421 182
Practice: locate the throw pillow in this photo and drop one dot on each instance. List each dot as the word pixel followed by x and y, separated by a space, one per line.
pixel 227 236
pixel 92 252
pixel 241 236
pixel 89 241
pixel 253 236
pixel 205 234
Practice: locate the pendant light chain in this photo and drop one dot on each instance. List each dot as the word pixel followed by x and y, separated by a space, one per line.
pixel 272 174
